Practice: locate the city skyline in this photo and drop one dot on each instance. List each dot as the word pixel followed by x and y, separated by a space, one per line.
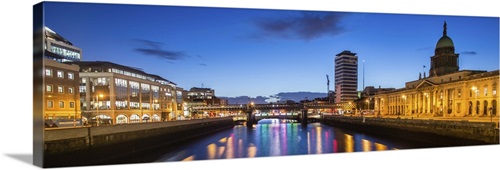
pixel 257 52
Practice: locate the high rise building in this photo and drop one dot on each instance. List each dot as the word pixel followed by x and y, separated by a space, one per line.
pixel 346 77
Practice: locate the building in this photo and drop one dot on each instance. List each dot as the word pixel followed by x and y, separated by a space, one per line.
pixel 197 93
pixel 60 81
pixel 366 103
pixel 447 92
pixel 205 96
pixel 111 93
pixel 346 77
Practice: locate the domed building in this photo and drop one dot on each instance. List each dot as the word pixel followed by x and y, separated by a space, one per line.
pixel 444 60
pixel 446 92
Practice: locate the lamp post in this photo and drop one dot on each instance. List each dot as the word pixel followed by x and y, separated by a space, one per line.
pixel 97 111
pixel 474 89
pixel 154 106
pixel 491 114
pixel 368 103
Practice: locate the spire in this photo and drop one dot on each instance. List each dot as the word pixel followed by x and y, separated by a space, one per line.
pixel 444 29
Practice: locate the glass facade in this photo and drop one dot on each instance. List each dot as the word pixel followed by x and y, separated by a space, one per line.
pixel 145 96
pixel 70 54
pixel 134 95
pixel 121 93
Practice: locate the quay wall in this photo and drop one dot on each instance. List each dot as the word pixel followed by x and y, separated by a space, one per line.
pixel 432 131
pixel 107 144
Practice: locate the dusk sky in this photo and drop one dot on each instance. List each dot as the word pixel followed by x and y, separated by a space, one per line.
pixel 257 52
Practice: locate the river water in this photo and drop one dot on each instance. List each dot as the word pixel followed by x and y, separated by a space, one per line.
pixel 273 137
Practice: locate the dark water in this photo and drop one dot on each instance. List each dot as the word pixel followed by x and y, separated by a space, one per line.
pixel 274 138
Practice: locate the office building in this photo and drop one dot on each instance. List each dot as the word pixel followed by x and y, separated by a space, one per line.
pixel 346 77
pixel 61 106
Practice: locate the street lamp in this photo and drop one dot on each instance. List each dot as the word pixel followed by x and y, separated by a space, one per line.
pixel 154 106
pixel 97 111
pixel 368 103
pixel 475 90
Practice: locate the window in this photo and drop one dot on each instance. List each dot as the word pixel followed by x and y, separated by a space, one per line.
pixel 60 74
pixel 459 93
pixel 494 89
pixel 70 90
pixel 48 88
pixel 60 89
pixel 70 76
pixel 61 104
pixel 71 104
pixel 50 104
pixel 485 90
pixel 48 72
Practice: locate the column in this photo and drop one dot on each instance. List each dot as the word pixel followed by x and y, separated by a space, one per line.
pixel 112 93
pixel 249 117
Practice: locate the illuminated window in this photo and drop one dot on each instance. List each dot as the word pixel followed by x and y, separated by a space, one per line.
pixel 71 104
pixel 135 119
pixel 60 89
pixel 61 104
pixel 70 90
pixel 459 91
pixel 485 90
pixel 70 76
pixel 494 89
pixel 60 74
pixel 50 104
pixel 121 119
pixel 48 72
pixel 48 88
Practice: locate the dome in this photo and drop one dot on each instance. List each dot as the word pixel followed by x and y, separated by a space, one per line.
pixel 444 41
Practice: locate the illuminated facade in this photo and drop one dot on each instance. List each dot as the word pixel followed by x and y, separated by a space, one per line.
pixel 64 49
pixel 115 94
pixel 447 92
pixel 346 77
pixel 60 81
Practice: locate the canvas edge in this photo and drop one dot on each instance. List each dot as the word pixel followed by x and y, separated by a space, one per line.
pixel 38 79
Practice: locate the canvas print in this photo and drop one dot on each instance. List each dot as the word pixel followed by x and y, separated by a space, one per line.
pixel 123 84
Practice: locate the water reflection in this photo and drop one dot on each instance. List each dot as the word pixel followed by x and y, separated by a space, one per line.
pixel 277 138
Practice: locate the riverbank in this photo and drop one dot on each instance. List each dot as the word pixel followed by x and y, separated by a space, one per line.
pixel 439 132
pixel 105 145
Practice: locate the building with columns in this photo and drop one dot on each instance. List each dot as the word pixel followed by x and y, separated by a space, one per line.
pixel 447 92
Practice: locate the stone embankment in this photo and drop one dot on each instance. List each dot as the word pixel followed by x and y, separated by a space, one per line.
pixel 443 132
pixel 106 144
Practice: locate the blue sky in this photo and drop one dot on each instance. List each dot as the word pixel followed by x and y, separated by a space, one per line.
pixel 257 52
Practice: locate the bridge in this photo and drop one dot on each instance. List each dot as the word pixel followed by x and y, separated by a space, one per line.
pixel 302 112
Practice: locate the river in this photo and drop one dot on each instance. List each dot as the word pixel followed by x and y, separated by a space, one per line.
pixel 273 137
